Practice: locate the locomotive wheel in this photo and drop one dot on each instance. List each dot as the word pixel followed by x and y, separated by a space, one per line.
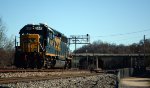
pixel 34 61
pixel 50 62
pixel 31 62
pixel 17 60
pixel 53 62
pixel 67 66
pixel 40 63
pixel 24 65
pixel 25 62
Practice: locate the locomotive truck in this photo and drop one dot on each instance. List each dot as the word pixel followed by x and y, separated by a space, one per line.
pixel 41 46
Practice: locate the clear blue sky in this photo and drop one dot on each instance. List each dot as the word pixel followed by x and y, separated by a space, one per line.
pixel 100 18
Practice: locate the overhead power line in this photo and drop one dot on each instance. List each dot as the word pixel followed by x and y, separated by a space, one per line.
pixel 113 35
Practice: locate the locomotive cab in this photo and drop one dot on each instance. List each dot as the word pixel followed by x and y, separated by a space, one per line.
pixel 29 54
pixel 30 43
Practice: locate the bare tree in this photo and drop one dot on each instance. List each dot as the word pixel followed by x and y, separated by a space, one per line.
pixel 6 47
pixel 2 34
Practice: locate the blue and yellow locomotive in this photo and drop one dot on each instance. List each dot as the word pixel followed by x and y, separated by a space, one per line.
pixel 41 46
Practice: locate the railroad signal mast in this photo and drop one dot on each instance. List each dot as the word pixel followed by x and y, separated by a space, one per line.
pixel 78 39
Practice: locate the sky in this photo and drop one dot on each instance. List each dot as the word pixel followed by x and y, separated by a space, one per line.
pixel 112 21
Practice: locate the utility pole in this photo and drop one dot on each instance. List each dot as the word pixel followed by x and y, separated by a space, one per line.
pixel 75 50
pixel 144 47
pixel 87 58
pixel 144 55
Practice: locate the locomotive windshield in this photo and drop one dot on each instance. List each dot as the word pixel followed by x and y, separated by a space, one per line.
pixel 31 30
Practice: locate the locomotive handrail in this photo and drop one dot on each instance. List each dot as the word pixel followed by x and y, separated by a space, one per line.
pixel 42 47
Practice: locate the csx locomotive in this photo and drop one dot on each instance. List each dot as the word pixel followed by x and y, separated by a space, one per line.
pixel 41 46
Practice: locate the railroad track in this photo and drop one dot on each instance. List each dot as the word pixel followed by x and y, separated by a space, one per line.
pixel 40 78
pixel 26 75
pixel 37 70
pixel 61 78
pixel 30 70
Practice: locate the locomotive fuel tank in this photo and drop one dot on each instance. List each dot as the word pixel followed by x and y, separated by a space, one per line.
pixel 60 64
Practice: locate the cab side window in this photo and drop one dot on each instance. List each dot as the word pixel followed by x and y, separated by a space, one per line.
pixel 51 35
